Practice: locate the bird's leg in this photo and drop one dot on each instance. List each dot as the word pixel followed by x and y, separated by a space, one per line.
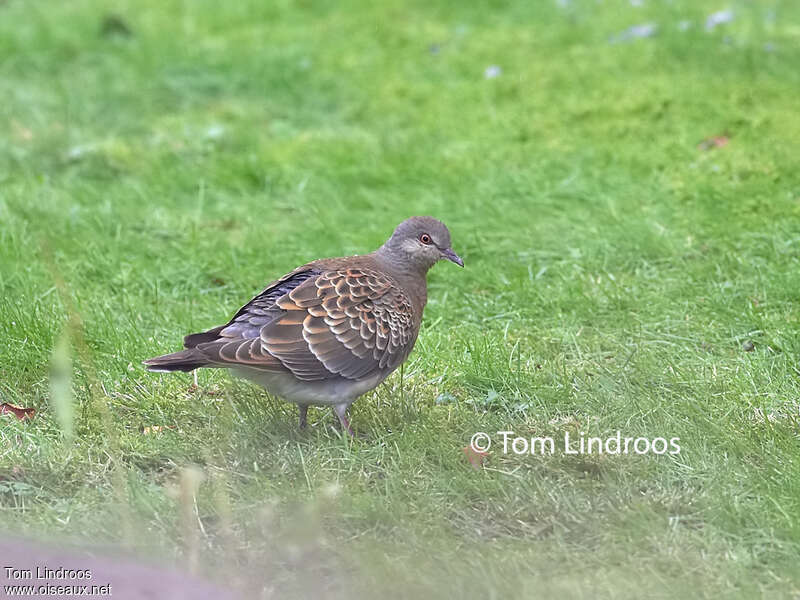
pixel 341 412
pixel 193 387
pixel 303 414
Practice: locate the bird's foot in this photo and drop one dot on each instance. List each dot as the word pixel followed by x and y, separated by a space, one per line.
pixel 194 386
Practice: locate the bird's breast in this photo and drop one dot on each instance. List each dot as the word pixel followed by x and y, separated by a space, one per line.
pixel 327 391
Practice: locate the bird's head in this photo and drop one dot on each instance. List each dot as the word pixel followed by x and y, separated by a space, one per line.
pixel 419 243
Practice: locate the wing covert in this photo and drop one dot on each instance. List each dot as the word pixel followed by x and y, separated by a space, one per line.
pixel 354 322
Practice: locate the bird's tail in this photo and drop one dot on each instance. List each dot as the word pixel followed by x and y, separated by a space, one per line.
pixel 185 360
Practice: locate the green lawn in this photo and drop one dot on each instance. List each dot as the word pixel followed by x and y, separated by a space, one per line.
pixel 161 161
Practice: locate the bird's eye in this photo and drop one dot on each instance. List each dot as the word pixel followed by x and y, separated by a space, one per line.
pixel 425 239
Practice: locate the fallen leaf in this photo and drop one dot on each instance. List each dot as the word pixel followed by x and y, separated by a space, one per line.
pixel 717 141
pixel 17 411
pixel 475 457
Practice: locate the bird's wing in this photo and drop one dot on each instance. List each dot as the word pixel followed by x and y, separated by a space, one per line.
pixel 348 322
pixel 247 322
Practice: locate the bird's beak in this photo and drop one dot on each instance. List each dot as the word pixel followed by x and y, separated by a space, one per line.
pixel 452 256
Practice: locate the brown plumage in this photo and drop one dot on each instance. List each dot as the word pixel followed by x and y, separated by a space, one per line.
pixel 330 330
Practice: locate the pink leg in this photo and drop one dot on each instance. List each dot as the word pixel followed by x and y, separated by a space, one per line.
pixel 341 412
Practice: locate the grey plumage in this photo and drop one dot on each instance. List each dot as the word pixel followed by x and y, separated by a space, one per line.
pixel 330 330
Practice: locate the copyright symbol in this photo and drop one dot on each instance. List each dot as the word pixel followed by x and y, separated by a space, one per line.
pixel 480 442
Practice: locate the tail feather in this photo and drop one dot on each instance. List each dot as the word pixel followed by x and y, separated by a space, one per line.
pixel 212 335
pixel 185 360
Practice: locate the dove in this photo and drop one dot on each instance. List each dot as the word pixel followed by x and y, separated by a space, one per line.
pixel 331 330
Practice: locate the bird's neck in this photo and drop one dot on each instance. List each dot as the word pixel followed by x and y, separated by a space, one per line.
pixel 408 274
pixel 397 262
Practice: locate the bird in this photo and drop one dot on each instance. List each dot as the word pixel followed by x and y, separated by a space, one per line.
pixel 328 331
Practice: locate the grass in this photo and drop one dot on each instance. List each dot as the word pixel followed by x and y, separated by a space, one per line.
pixel 157 167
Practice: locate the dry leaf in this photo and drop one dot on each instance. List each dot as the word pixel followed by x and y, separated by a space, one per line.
pixel 717 141
pixel 17 411
pixel 475 457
